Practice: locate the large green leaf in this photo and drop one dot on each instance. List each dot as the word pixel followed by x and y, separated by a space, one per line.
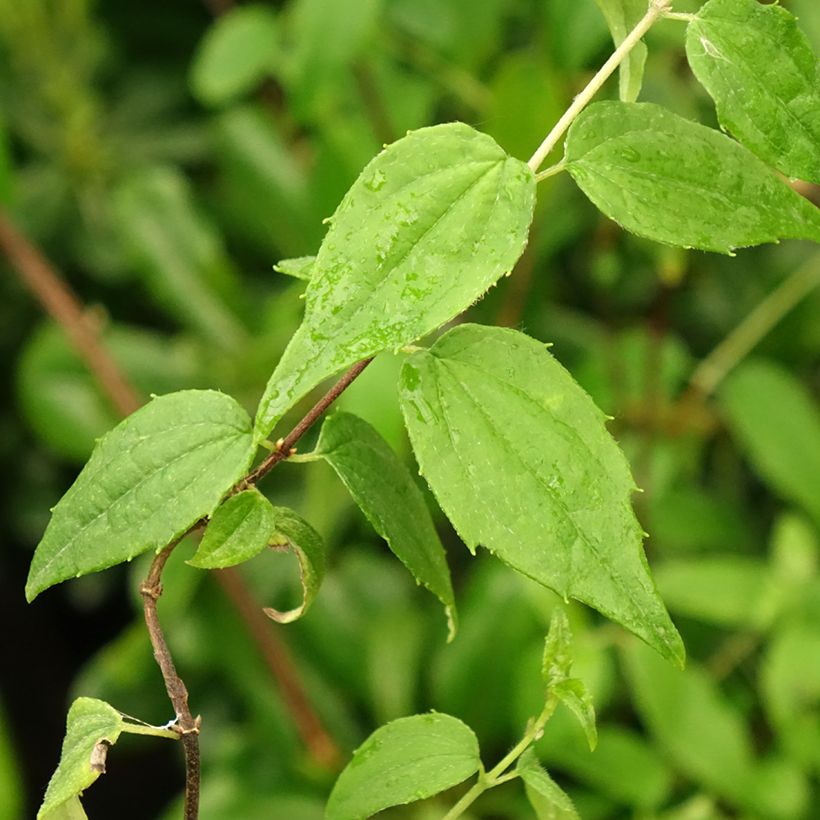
pixel 675 181
pixel 760 69
pixel 384 489
pixel 406 760
pixel 777 423
pixel 92 725
pixel 430 224
pixel 147 481
pixel 621 17
pixel 239 50
pixel 519 458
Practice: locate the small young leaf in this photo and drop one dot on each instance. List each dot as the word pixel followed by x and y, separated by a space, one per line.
pixel 72 809
pixel 555 803
pixel 621 17
pixel 409 759
pixel 239 50
pixel 429 225
pixel 300 268
pixel 675 181
pixel 760 69
pixel 147 481
pixel 574 695
pixel 519 458
pixel 240 528
pixel 557 661
pixel 293 532
pixel 777 423
pixel 92 725
pixel 385 491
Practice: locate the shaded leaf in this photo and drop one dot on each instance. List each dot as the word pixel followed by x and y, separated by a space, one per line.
pixel 760 69
pixel 555 803
pixel 429 225
pixel 385 491
pixel 409 759
pixel 147 481
pixel 239 50
pixel 241 527
pixel 675 181
pixel 574 695
pixel 519 459
pixel 91 726
pixel 777 424
pixel 294 533
pixel 557 662
pixel 621 17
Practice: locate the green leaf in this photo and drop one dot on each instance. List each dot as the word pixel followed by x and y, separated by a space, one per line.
pixel 675 181
pixel 92 726
pixel 574 695
pixel 239 50
pixel 760 69
pixel 431 223
pixel 300 268
pixel 557 662
pixel 385 491
pixel 621 17
pixel 156 473
pixel 409 759
pixel 240 528
pixel 72 809
pixel 555 803
pixel 776 422
pixel 11 790
pixel 520 460
pixel 293 532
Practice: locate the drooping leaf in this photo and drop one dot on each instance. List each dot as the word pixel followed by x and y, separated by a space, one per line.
pixel 557 662
pixel 409 759
pixel 431 223
pixel 575 696
pixel 300 267
pixel 762 73
pixel 385 491
pixel 555 803
pixel 294 533
pixel 675 181
pixel 240 528
pixel 147 481
pixel 777 424
pixel 519 459
pixel 240 49
pixel 621 17
pixel 92 726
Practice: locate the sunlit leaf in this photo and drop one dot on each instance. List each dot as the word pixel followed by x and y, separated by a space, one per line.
pixel 431 223
pixel 384 489
pixel 675 181
pixel 147 481
pixel 406 760
pixel 520 460
pixel 761 71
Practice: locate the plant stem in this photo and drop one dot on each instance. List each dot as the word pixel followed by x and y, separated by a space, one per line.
pixel 187 725
pixel 551 171
pixel 153 731
pixel 737 345
pixel 657 9
pixel 496 776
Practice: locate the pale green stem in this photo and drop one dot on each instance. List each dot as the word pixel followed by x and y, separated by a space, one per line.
pixel 736 346
pixel 496 775
pixel 551 171
pixel 147 729
pixel 679 15
pixel 657 9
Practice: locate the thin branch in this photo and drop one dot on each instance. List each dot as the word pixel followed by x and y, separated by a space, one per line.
pixel 56 297
pixel 284 447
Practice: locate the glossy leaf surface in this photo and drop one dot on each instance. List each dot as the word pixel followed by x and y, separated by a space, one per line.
pixel 431 223
pixel 665 178
pixel 760 69
pixel 519 458
pixel 240 528
pixel 409 759
pixel 91 724
pixel 385 491
pixel 147 481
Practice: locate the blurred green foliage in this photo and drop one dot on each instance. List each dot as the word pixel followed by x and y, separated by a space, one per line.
pixel 165 160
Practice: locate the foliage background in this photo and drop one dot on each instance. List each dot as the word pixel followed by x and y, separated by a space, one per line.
pixel 163 159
